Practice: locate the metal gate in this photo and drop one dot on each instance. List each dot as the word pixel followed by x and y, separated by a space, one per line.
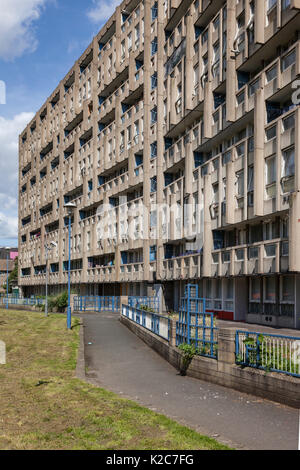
pixel 195 325
pixel 96 304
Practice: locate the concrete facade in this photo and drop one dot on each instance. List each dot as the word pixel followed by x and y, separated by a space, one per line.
pixel 187 107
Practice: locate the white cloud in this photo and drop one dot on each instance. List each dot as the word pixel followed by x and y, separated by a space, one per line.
pixel 8 227
pixel 9 138
pixel 102 10
pixel 17 26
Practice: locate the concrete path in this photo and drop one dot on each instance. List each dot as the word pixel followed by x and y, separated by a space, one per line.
pixel 119 361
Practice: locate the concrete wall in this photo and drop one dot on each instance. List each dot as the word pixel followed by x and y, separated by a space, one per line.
pixel 224 371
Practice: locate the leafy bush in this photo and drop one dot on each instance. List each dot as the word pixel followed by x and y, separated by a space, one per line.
pixel 58 302
pixel 145 308
pixel 188 352
pixel 62 301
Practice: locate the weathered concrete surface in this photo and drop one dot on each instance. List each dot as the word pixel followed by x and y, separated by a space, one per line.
pixel 119 361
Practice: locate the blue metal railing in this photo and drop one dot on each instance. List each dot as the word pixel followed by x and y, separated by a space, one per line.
pixel 150 302
pixel 195 325
pixel 158 324
pixel 32 301
pixel 96 303
pixel 274 353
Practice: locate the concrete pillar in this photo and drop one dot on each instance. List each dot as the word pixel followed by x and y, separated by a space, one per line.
pixel 230 193
pixel 226 348
pixel 208 239
pixel 189 63
pixel 123 300
pixel 173 333
pixel 240 299
pixel 230 63
pixel 259 150
pixel 294 220
pixel 259 22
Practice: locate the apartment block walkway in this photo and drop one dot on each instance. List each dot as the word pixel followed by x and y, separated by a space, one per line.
pixel 119 361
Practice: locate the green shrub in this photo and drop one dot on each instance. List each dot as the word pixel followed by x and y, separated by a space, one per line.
pixel 188 352
pixel 58 302
pixel 62 301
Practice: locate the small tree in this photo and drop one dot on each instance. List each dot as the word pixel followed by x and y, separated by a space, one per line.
pixel 12 278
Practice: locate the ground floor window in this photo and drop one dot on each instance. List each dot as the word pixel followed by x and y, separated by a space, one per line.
pixel 287 295
pixel 272 295
pixel 270 289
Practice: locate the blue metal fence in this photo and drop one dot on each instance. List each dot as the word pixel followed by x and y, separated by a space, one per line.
pixel 150 302
pixel 270 352
pixel 158 324
pixel 195 325
pixel 32 301
pixel 96 303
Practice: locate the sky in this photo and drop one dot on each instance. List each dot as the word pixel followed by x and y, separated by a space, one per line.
pixel 39 42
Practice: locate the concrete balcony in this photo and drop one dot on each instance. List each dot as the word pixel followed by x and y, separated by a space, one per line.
pixel 208 10
pixel 76 276
pixel 106 110
pixel 271 88
pixel 54 278
pixel 86 148
pixel 260 258
pixel 137 81
pixel 132 272
pixel 117 185
pixel 104 274
pixel 289 75
pixel 185 267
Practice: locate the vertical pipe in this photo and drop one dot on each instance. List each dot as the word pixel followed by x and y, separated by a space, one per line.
pixel 46 301
pixel 69 279
pixel 7 281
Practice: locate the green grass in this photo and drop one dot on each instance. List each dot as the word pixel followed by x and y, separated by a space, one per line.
pixel 43 405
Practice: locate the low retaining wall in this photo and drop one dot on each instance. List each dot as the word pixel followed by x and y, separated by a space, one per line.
pixel 272 386
pixel 28 308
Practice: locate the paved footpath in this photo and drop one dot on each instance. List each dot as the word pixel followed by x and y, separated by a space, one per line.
pixel 119 361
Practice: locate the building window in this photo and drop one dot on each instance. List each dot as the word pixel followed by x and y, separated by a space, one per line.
pixel 154 46
pixel 154 11
pixel 270 289
pixel 254 86
pixel 240 188
pixel 153 150
pixel 240 98
pixel 255 290
pixel 253 252
pixel 270 251
pixel 270 164
pixel 154 81
pixel 288 122
pixel 154 115
pixel 285 4
pixel 271 133
pixel 288 60
pixel 288 170
pixel 287 289
pixel 271 74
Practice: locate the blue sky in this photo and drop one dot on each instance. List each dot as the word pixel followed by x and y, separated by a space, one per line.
pixel 39 42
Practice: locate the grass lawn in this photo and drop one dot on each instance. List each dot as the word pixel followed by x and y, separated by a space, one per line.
pixel 43 405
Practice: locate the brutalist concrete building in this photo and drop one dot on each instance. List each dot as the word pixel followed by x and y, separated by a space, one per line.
pixel 177 136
